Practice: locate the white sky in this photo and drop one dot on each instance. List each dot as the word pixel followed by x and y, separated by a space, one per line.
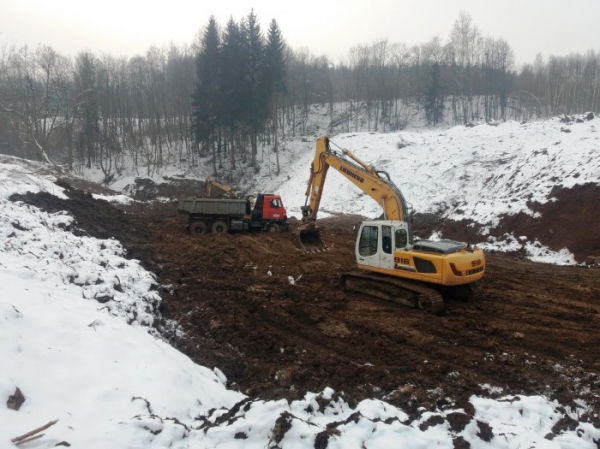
pixel 332 27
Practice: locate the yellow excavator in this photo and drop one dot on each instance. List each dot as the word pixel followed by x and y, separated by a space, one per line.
pixel 228 192
pixel 393 265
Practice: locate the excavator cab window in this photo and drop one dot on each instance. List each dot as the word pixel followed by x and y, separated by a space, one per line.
pixel 386 239
pixel 401 238
pixel 367 245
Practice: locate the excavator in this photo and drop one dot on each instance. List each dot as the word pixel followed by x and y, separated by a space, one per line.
pixel 228 191
pixel 392 264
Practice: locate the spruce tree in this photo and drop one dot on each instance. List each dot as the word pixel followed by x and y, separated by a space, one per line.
pixel 206 99
pixel 232 82
pixel 434 100
pixel 232 73
pixel 273 76
pixel 255 107
pixel 86 91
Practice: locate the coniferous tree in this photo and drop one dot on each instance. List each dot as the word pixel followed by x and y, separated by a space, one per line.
pixel 232 83
pixel 274 75
pixel 434 100
pixel 206 98
pixel 86 91
pixel 255 109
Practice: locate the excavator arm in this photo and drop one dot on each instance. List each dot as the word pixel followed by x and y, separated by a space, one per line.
pixel 375 183
pixel 211 182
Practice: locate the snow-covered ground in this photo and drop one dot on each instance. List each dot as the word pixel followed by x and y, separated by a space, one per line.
pixel 76 314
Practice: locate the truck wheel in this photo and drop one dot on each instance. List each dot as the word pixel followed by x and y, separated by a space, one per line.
pixel 198 228
pixel 274 227
pixel 219 227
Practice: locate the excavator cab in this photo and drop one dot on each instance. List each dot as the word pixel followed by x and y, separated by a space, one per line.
pixel 383 246
pixel 378 241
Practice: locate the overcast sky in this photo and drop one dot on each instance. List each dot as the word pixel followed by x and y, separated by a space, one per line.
pixel 331 27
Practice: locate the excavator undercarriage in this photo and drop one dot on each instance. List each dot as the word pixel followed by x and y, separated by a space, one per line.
pixel 393 289
pixel 403 291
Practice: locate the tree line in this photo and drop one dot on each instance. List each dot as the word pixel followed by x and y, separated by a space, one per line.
pixel 238 89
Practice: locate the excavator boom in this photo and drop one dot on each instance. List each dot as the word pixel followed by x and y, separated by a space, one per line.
pixel 210 183
pixel 224 191
pixel 376 184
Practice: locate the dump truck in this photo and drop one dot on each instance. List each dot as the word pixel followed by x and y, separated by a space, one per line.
pixel 263 213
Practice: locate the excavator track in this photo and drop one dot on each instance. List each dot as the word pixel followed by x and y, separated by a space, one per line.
pixel 393 289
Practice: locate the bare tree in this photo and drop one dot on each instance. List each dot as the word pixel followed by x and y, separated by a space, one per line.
pixel 359 61
pixel 465 41
pixel 31 95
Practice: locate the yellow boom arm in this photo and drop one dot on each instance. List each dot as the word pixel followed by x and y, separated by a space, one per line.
pixel 211 182
pixel 363 175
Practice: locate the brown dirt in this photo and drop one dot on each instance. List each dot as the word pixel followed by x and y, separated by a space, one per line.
pixel 532 328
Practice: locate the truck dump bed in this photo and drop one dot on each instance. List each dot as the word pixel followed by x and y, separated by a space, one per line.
pixel 211 206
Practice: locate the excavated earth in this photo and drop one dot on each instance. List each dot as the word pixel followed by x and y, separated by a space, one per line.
pixel 273 318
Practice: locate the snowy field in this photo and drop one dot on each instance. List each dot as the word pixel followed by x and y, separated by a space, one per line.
pixel 76 314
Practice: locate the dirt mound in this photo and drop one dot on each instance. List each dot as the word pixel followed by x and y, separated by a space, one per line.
pixel 145 189
pixel 568 220
pixel 275 321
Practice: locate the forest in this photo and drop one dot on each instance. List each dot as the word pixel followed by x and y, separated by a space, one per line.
pixel 237 88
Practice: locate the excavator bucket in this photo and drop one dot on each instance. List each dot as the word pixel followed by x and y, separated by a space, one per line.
pixel 310 238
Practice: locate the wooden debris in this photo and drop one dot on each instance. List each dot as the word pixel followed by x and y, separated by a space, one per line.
pixel 30 436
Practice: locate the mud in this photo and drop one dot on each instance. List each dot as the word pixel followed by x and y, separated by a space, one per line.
pixel 273 318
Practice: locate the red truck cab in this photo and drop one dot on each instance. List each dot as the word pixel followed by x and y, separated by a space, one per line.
pixel 273 208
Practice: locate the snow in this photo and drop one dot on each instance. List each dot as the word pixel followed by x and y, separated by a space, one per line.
pixel 77 316
pixel 118 199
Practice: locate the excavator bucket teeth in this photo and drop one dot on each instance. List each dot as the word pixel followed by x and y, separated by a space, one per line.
pixel 310 238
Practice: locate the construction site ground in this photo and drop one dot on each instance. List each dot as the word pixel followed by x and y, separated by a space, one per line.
pixel 273 318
